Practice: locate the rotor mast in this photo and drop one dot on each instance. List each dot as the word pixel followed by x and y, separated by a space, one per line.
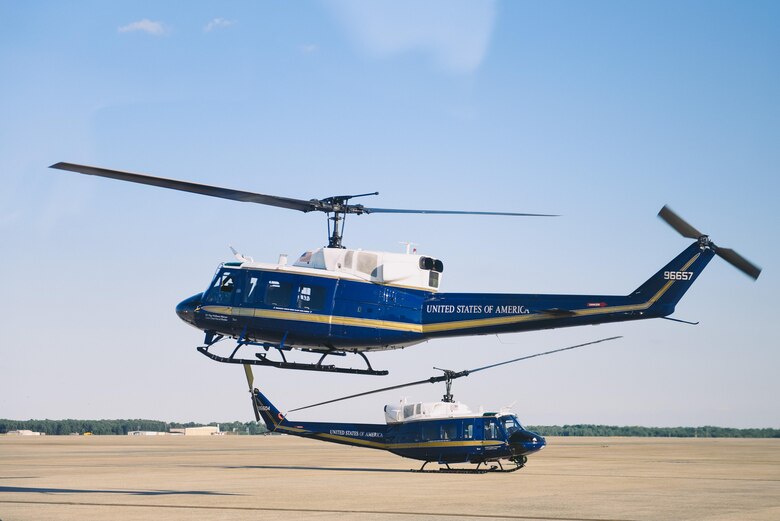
pixel 448 377
pixel 338 205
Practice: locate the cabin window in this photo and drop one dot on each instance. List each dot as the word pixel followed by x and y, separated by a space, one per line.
pixel 408 410
pixel 431 431
pixel 311 297
pixel 468 431
pixel 409 433
pixel 277 293
pixel 221 290
pixel 449 431
pixel 348 259
pixel 491 430
pixel 433 279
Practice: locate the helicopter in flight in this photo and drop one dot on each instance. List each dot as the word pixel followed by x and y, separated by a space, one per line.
pixel 333 301
pixel 445 432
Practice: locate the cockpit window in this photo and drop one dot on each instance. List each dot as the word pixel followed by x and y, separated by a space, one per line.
pixel 221 290
pixel 511 424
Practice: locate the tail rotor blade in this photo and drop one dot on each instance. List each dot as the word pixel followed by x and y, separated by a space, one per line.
pixel 678 223
pixel 727 254
pixel 739 262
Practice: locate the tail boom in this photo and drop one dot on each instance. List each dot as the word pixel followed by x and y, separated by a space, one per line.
pixel 461 314
pixel 358 434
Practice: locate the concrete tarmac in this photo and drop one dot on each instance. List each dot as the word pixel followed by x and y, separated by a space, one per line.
pixel 251 477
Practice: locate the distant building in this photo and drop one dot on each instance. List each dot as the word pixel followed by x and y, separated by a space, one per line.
pixel 208 430
pixel 25 432
pixel 146 433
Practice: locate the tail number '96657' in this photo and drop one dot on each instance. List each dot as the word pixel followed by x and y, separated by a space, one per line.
pixel 678 275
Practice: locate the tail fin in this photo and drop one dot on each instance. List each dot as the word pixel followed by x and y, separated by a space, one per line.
pixel 663 290
pixel 267 411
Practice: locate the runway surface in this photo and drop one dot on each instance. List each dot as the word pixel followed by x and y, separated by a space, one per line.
pixel 252 477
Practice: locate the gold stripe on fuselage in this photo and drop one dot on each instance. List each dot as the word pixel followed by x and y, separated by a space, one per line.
pixel 300 431
pixel 385 445
pixel 437 327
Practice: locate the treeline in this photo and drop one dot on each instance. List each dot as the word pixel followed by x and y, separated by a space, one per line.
pixel 118 427
pixel 121 427
pixel 654 432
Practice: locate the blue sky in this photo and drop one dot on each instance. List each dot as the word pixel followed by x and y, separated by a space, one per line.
pixel 600 111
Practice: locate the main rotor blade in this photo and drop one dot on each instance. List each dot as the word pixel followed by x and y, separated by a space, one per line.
pixel 454 212
pixel 678 223
pixel 451 375
pixel 383 389
pixel 330 204
pixel 186 186
pixel 543 354
pixel 739 262
pixel 250 378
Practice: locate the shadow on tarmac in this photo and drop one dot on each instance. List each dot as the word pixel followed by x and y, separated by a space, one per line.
pixel 45 490
pixel 293 467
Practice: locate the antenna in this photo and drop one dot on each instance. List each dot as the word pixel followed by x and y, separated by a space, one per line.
pixel 240 257
pixel 409 246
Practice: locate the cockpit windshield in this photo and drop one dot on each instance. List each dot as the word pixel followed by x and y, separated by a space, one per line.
pixel 221 289
pixel 511 424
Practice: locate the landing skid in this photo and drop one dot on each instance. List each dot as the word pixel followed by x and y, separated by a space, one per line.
pixel 478 470
pixel 264 360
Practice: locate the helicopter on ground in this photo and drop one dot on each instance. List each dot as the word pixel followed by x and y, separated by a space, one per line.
pixel 445 432
pixel 439 432
pixel 333 301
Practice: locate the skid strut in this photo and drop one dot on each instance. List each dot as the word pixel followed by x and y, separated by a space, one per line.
pixel 264 360
pixel 478 470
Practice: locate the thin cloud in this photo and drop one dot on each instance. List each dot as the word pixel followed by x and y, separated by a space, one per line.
pixel 309 48
pixel 218 23
pixel 455 33
pixel 144 26
pixel 9 220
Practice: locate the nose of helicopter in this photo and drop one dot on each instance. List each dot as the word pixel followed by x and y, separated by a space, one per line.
pixel 186 308
pixel 525 442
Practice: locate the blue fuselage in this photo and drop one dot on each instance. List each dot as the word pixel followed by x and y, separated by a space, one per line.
pixel 327 312
pixel 471 439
